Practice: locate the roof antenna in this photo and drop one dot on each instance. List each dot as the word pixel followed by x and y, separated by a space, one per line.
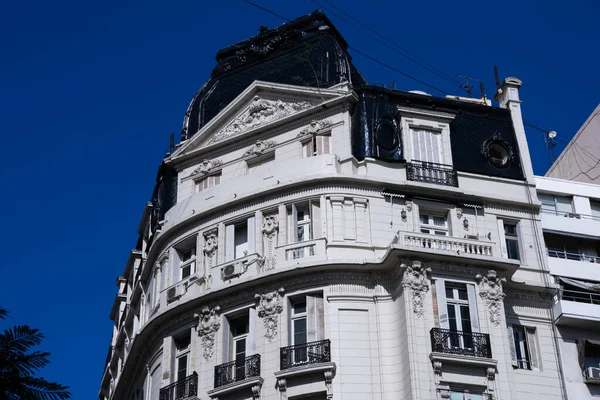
pixel 497 77
pixel 483 98
pixel 550 141
pixel 466 85
pixel 172 143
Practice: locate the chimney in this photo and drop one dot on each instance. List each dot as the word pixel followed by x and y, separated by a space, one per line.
pixel 508 97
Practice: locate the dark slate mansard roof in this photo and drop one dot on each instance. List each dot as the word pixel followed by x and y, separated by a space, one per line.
pixel 309 51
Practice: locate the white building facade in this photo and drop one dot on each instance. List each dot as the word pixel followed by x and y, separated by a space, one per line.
pixel 571 223
pixel 337 241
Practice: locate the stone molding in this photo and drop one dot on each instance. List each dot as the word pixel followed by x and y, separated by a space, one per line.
pixel 490 290
pixel 206 166
pixel 260 148
pixel 209 322
pixel 415 278
pixel 269 306
pixel 259 112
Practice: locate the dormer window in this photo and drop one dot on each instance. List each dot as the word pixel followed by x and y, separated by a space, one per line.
pixel 426 145
pixel 317 145
pixel 207 182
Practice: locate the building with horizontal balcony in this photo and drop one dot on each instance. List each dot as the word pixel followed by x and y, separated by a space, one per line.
pixel 314 237
pixel 571 225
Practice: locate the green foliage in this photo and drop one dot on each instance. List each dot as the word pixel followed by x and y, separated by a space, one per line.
pixel 19 364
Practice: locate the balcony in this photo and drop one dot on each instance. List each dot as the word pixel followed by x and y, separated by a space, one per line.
pixel 428 172
pixel 305 354
pixel 470 344
pixel 182 389
pixel 571 255
pixel 238 370
pixel 309 249
pixel 578 308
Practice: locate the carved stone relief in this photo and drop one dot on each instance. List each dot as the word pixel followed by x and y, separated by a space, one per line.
pixel 270 231
pixel 415 279
pixel 314 127
pixel 209 322
pixel 490 290
pixel 210 249
pixel 260 147
pixel 206 166
pixel 260 112
pixel 270 305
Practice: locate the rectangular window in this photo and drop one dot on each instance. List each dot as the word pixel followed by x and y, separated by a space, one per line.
pixel 595 206
pixel 239 328
pixel 511 238
pixel 317 145
pixel 187 259
pixel 557 205
pixel 207 182
pixel 467 394
pixel 523 347
pixel 182 352
pixel 299 329
pixel 459 317
pixel 426 145
pixel 433 224
pixel 303 219
pixel 239 238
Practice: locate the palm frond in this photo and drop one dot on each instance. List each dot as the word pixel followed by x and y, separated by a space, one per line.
pixel 3 313
pixel 20 338
pixel 25 364
pixel 41 389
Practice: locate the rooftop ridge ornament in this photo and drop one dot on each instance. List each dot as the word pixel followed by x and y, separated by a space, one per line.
pixel 259 112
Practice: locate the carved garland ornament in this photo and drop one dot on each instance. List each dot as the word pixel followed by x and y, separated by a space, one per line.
pixel 260 147
pixel 314 127
pixel 415 279
pixel 260 112
pixel 270 228
pixel 490 290
pixel 209 322
pixel 206 166
pixel 270 305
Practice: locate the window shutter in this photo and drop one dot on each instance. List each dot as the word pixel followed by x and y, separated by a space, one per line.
pixel 473 308
pixel 326 143
pixel 416 154
pixel 155 382
pixel 502 238
pixel 251 346
pixel 513 348
pixel 294 225
pixel 533 348
pixel 226 339
pixel 440 292
pixel 319 140
pixel 315 219
pixel 229 242
pixel 251 235
pixel 314 323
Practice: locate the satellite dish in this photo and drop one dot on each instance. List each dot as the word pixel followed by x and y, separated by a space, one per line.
pixel 552 134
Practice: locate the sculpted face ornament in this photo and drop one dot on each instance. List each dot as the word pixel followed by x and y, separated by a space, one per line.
pixel 415 279
pixel 206 166
pixel 490 290
pixel 211 244
pixel 209 322
pixel 270 305
pixel 260 148
pixel 270 226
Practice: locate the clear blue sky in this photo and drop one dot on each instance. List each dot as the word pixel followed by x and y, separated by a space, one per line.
pixel 89 92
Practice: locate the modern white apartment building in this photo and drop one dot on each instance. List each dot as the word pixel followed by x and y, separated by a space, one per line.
pixel 571 224
pixel 314 237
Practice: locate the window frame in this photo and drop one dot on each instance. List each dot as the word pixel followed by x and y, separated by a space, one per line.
pixel 314 145
pixel 528 346
pixel 426 120
pixel 180 353
pixel 191 262
pixel 231 236
pixel 430 226
pixel 513 238
pixel 544 198
pixel 211 181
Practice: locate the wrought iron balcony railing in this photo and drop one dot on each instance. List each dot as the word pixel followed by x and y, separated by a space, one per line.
pixel 182 389
pixel 461 343
pixel 428 172
pixel 307 353
pixel 237 370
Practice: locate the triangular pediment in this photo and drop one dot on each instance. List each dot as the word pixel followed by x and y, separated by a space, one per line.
pixel 262 104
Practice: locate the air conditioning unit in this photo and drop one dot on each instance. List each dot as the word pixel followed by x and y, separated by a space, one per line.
pixel 592 375
pixel 232 270
pixel 176 292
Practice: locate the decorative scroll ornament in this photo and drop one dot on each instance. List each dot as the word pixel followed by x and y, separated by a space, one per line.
pixel 415 279
pixel 209 322
pixel 270 305
pixel 260 112
pixel 314 127
pixel 490 290
pixel 260 148
pixel 270 229
pixel 206 166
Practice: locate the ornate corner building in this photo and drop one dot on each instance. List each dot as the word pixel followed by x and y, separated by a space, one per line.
pixel 314 237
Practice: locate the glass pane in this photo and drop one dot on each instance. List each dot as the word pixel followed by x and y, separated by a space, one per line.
pixel 182 343
pixel 512 247
pixel 299 308
pixel 439 221
pixel 510 229
pixel 182 367
pixel 595 208
pixel 449 293
pixel 185 271
pixel 240 348
pixel 424 219
pixel 452 317
pixel 465 319
pixel 457 395
pixel 564 205
pixel 425 230
pixel 300 331
pixel 462 293
pixel 441 233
